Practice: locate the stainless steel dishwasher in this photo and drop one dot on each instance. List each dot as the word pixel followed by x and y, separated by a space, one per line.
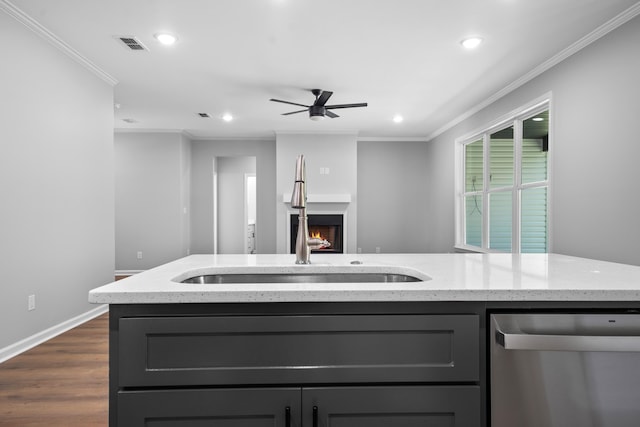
pixel 565 370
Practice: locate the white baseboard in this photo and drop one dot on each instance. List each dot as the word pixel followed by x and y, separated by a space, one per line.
pixel 36 339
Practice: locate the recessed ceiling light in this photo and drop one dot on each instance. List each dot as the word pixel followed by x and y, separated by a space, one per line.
pixel 398 118
pixel 166 38
pixel 227 117
pixel 538 119
pixel 471 42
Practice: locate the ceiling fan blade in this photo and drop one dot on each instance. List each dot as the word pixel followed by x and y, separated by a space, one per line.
pixel 287 102
pixel 362 104
pixel 323 98
pixel 331 114
pixel 294 112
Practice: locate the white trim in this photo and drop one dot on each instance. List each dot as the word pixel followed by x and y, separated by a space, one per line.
pixel 214 219
pixel 128 130
pixel 393 138
pixel 321 198
pixel 205 138
pixel 486 184
pixel 508 117
pixel 43 336
pixel 13 11
pixel 585 41
pixel 316 132
pixel 127 272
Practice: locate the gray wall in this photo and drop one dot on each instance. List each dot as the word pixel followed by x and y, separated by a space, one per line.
pixel 202 155
pixel 392 204
pixel 335 151
pixel 56 184
pixel 389 180
pixel 595 151
pixel 152 177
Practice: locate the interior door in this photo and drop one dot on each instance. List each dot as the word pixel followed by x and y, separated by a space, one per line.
pixel 410 406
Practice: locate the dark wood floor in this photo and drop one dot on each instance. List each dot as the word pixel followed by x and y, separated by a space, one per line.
pixel 63 382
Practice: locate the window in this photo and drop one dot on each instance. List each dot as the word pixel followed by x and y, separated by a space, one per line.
pixel 502 196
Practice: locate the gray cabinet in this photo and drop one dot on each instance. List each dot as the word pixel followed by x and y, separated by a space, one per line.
pixel 376 406
pixel 325 370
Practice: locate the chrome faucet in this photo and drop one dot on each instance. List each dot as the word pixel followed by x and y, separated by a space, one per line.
pixel 304 244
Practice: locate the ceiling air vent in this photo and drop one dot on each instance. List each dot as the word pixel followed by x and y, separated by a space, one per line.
pixel 204 115
pixel 131 42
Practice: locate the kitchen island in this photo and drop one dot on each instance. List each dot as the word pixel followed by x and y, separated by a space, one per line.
pixel 331 354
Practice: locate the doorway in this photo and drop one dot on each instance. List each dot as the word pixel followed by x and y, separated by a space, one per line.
pixel 234 204
pixel 250 212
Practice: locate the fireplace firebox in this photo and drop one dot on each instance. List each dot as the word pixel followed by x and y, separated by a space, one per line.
pixel 324 226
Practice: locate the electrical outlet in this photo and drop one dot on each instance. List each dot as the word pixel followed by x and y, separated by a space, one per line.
pixel 31 302
pixel 377 249
pixel 139 254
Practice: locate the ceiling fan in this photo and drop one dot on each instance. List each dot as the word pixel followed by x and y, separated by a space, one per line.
pixel 318 110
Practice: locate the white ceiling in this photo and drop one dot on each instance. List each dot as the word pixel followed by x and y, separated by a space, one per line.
pixel 400 56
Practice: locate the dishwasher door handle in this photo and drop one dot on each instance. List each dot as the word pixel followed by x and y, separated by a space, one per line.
pixel 520 341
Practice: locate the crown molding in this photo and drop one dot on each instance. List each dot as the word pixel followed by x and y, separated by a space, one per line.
pixel 13 11
pixel 128 130
pixel 585 41
pixel 202 138
pixel 193 137
pixel 316 132
pixel 394 138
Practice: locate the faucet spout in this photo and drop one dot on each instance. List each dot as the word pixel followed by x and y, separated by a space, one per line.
pixel 304 244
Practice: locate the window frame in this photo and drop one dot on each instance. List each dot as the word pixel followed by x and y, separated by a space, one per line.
pixel 514 118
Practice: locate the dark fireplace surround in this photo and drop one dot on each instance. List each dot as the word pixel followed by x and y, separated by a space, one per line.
pixel 325 226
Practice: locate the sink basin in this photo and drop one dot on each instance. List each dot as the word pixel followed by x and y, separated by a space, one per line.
pixel 301 278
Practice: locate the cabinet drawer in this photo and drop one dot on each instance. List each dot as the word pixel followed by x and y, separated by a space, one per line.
pixel 266 407
pixel 173 351
pixel 406 406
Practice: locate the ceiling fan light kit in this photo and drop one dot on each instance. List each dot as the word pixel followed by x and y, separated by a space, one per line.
pixel 319 110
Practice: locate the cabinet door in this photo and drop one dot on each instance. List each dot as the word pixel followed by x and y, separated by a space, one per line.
pixel 410 406
pixel 278 407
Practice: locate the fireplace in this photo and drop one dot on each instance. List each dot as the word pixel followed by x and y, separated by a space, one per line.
pixel 325 226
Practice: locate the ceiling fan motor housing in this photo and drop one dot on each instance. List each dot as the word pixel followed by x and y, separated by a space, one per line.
pixel 317 112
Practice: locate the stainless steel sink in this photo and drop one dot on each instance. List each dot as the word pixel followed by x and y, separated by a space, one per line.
pixel 301 278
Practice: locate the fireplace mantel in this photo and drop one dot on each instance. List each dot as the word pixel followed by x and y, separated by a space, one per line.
pixel 321 198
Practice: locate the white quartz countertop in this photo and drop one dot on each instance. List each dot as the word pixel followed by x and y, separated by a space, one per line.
pixel 452 277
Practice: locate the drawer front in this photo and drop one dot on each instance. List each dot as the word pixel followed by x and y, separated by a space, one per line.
pixel 236 407
pixel 380 406
pixel 216 350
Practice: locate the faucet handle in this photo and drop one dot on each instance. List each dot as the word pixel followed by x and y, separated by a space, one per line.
pixel 298 197
pixel 315 243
